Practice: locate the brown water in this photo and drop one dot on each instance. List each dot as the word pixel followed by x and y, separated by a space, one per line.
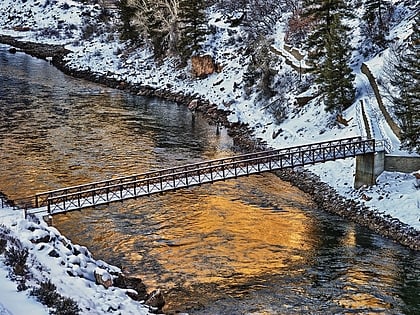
pixel 254 245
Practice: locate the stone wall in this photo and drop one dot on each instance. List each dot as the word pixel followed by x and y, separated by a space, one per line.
pixel 404 164
pixel 394 127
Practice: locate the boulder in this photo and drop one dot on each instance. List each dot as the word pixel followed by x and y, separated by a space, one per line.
pixel 202 66
pixel 156 300
pixel 417 176
pixel 132 283
pixel 193 104
pixel 102 277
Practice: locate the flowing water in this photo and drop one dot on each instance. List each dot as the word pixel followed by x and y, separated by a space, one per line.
pixel 254 245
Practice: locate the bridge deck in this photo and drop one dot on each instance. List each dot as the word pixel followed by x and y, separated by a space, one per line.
pixel 104 192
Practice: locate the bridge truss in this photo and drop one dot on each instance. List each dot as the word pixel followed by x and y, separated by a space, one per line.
pixel 134 186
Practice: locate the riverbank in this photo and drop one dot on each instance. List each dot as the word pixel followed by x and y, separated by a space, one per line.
pixel 323 194
pixel 239 132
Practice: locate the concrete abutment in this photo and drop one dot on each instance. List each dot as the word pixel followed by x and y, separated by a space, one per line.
pixel 368 168
pixel 371 165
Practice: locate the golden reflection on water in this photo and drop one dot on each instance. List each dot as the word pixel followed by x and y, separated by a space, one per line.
pixel 224 234
pixel 230 238
pixel 360 290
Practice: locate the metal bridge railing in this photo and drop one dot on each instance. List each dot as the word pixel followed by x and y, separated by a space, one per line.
pixel 134 186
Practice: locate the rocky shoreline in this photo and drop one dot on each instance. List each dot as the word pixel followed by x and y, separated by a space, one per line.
pixel 324 196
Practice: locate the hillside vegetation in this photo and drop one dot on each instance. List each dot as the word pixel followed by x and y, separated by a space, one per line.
pixel 330 39
pixel 271 62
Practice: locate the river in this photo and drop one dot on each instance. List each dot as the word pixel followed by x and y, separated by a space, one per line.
pixel 254 245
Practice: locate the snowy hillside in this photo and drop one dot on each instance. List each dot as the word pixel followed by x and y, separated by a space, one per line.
pixel 70 267
pixel 93 40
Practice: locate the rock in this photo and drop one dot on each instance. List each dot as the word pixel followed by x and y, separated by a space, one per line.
pixel 102 277
pixel 156 300
pixel 136 284
pixel 193 104
pixel 202 66
pixel 417 176
pixel 40 236
pixel 54 253
pixel 366 197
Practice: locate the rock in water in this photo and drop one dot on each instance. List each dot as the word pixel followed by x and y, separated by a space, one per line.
pixel 156 300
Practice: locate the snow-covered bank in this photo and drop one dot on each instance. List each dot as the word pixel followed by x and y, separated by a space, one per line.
pixel 71 268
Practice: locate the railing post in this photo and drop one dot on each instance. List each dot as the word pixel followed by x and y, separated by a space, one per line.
pixel 354 149
pixel 302 157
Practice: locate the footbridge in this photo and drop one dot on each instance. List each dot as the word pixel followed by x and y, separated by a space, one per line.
pixel 135 186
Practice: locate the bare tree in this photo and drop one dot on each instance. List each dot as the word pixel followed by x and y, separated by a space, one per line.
pixel 158 20
pixel 258 16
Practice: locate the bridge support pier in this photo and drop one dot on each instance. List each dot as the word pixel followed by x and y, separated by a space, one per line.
pixel 368 168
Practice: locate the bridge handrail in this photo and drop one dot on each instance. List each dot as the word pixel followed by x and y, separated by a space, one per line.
pixel 184 168
pixel 222 160
pixel 162 176
pixel 198 168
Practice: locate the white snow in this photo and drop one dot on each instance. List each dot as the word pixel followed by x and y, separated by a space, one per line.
pixel 13 302
pixel 71 268
pixel 395 193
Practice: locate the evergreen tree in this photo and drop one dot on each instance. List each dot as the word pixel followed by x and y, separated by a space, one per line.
pixel 406 76
pixel 375 23
pixel 193 29
pixel 336 77
pixel 127 13
pixel 329 52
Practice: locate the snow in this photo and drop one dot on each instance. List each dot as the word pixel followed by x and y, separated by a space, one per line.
pixel 70 267
pixel 395 193
pixel 13 302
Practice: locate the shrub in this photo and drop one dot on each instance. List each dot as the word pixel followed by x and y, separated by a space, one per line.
pixel 3 244
pixel 66 306
pixel 16 258
pixel 46 293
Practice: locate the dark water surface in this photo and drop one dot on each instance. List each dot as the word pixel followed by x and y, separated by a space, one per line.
pixel 254 245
